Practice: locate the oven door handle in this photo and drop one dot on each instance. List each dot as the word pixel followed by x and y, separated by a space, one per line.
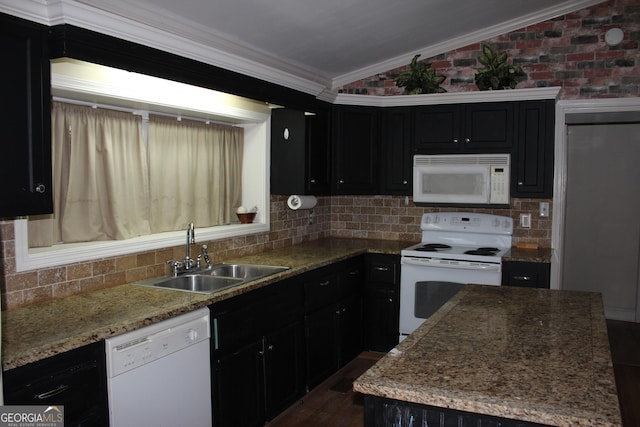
pixel 445 263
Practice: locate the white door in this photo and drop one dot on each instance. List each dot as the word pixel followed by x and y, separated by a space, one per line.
pixel 601 245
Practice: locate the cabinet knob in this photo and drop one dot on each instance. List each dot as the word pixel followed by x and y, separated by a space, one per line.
pixel 520 183
pixel 467 140
pixel 390 300
pixel 313 181
pixel 270 347
pixel 341 181
pixel 455 141
pixel 40 188
pixel 404 182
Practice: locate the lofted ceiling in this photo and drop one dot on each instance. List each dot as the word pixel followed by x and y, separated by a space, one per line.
pixel 331 42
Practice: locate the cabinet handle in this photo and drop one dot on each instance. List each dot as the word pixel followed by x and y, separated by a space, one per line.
pixel 381 268
pixel 525 278
pixel 325 283
pixel 390 299
pixel 40 188
pixel 47 394
pixel 520 183
pixel 354 272
pixel 313 181
pixel 404 182
pixel 467 140
pixel 455 140
pixel 341 181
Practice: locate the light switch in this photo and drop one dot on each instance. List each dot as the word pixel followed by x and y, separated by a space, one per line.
pixel 544 209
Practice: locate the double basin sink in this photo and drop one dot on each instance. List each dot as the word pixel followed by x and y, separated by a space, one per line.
pixel 213 279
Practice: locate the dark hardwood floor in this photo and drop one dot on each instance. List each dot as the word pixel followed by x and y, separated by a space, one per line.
pixel 334 404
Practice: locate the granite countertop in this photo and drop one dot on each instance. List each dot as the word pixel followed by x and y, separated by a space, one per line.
pixel 41 330
pixel 535 355
pixel 528 255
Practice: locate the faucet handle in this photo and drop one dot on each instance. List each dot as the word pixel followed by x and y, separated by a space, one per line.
pixel 175 266
pixel 205 255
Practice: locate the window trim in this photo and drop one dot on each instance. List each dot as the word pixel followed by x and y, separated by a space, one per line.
pixel 255 178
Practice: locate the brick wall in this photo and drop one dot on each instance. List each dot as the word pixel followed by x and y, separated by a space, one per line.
pixel 568 51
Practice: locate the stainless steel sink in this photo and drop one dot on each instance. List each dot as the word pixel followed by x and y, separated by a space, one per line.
pixel 213 279
pixel 199 283
pixel 243 271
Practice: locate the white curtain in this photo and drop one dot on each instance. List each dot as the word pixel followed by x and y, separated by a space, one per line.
pixel 99 176
pixel 206 187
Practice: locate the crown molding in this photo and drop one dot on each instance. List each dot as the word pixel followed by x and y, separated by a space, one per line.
pixel 466 40
pixel 173 36
pixel 449 97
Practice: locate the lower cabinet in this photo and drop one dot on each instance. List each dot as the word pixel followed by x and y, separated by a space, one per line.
pixel 76 379
pixel 526 274
pixel 382 302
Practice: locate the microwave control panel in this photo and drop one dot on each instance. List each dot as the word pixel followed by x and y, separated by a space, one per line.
pixel 499 184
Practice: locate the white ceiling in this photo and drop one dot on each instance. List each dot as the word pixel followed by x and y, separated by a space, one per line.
pixel 328 42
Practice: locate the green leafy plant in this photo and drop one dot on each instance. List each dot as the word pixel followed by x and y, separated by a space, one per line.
pixel 497 72
pixel 420 78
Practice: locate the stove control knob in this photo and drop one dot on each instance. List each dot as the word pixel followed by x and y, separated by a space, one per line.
pixel 496 223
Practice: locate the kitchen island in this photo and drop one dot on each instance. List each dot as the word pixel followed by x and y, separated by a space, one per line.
pixel 499 353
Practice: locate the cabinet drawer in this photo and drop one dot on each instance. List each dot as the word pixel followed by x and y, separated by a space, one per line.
pixel 526 274
pixel 320 291
pixel 383 269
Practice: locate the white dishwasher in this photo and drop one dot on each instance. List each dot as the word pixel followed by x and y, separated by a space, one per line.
pixel 159 375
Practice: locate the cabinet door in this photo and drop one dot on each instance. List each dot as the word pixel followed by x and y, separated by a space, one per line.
pixel 489 127
pixel 238 388
pixel 532 173
pixel 436 128
pixel 382 314
pixel 397 160
pixel 350 278
pixel 25 117
pixel 284 373
pixel 321 344
pixel 350 328
pixel 355 145
pixel 288 153
pixel 318 179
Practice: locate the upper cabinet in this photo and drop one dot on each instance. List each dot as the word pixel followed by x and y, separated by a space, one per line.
pixel 300 161
pixel 25 164
pixel 532 162
pixel 355 150
pixel 397 159
pixel 473 128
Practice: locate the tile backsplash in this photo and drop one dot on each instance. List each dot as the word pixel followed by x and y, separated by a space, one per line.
pixel 356 217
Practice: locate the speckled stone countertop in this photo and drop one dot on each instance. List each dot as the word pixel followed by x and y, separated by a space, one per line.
pixel 535 355
pixel 528 255
pixel 41 330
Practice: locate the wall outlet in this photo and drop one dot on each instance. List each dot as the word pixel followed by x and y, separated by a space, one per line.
pixel 525 220
pixel 544 209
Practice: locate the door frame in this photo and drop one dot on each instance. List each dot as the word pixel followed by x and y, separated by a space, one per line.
pixel 565 108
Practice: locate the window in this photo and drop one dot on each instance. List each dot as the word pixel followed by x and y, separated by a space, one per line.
pixel 99 85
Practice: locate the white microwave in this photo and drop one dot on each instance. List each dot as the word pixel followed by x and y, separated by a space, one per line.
pixel 478 179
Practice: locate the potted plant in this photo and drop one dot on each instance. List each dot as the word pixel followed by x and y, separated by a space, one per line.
pixel 497 72
pixel 420 78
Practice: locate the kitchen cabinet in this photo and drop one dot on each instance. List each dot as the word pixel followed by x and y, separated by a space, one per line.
pixel 474 128
pixel 333 318
pixel 532 162
pixel 382 302
pixel 355 150
pixel 76 379
pixel 397 160
pixel 526 274
pixel 300 161
pixel 257 354
pixel 25 164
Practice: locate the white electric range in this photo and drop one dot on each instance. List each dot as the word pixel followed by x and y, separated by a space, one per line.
pixel 456 248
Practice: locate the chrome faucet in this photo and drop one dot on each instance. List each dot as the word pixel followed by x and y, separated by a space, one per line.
pixel 191 239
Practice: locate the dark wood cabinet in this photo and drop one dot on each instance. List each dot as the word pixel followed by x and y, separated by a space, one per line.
pixel 300 161
pixel 382 302
pixel 474 128
pixel 355 150
pixel 532 162
pixel 526 274
pixel 76 379
pixel 257 354
pixel 25 165
pixel 397 160
pixel 333 319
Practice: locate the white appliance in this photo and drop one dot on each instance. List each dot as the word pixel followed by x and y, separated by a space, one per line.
pixel 456 248
pixel 481 179
pixel 160 375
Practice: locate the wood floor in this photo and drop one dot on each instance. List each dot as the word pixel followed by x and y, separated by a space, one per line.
pixel 334 404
